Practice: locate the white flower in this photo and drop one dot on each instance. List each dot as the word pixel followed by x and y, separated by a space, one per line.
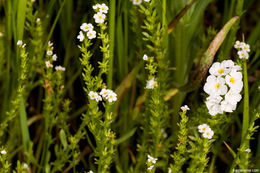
pixel 245 47
pixel 86 27
pixel 99 17
pixel 151 159
pixel 185 108
pixel 227 106
pixel 91 34
pixel 145 57
pixel 150 84
pixel 60 68
pixel 150 167
pixel 19 43
pixel 54 57
pixel 80 36
pixel 218 69
pixel 215 86
pixel 92 95
pixel 236 68
pixel 243 54
pixel 49 52
pixel 38 20
pixel 147 0
pixel 208 134
pixel 50 44
pixel 111 96
pixel 25 166
pixel 48 64
pixel 98 98
pixel 237 45
pixel 104 92
pixel 203 128
pixel 137 2
pixel 96 6
pixel 3 152
pixel 248 150
pixel 228 64
pixel 234 81
pixel 1 34
pixel 103 8
pixel 213 104
pixel 233 97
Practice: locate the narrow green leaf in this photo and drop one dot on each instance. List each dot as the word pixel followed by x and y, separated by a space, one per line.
pixel 24 126
pixel 126 136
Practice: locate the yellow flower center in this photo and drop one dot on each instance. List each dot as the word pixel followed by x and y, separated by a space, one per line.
pixel 245 47
pixel 105 93
pixel 90 34
pixel 232 80
pixel 221 70
pixel 203 128
pixel 93 95
pixel 100 17
pixel 111 96
pixel 207 133
pixel 242 54
pixel 102 8
pixel 217 85
pixel 86 27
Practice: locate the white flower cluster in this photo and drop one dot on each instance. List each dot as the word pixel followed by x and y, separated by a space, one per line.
pixel 151 162
pixel 243 49
pixel 150 84
pixel 101 10
pixel 206 131
pixel 89 28
pixel 138 2
pixel 54 57
pixel 223 85
pixel 107 94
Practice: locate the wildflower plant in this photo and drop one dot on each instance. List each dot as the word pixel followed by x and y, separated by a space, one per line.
pixel 117 107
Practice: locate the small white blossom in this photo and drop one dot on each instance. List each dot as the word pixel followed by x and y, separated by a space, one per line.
pixel 208 134
pixel 145 57
pixel 50 44
pixel 1 34
pixel 104 92
pixel 150 84
pixel 234 81
pixel 49 52
pixel 80 36
pixel 243 54
pixel 150 167
pixel 48 64
pixel 218 69
pixel 245 47
pixel 60 68
pixel 103 8
pixel 54 57
pixel 96 6
pixel 38 20
pixel 99 17
pixel 185 108
pixel 19 43
pixel 203 128
pixel 213 104
pixel 151 159
pixel 137 2
pixel 92 95
pixel 86 27
pixel 3 152
pixel 111 96
pixel 215 86
pixel 91 34
pixel 237 45
pixel 227 106
pixel 248 150
pixel 25 166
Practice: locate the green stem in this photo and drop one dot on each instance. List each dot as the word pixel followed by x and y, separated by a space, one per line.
pixel 246 105
pixel 112 11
